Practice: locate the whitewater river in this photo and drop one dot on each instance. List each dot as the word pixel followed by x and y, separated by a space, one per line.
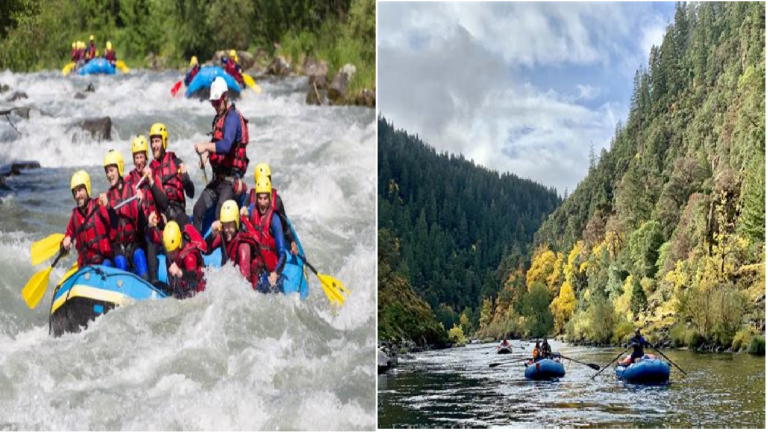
pixel 457 388
pixel 229 358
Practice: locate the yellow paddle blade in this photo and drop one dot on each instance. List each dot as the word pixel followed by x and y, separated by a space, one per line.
pixel 334 290
pixel 35 289
pixel 121 65
pixel 251 83
pixel 69 273
pixel 46 248
pixel 67 68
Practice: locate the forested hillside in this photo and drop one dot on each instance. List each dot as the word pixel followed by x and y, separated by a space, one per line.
pixel 667 230
pixel 453 222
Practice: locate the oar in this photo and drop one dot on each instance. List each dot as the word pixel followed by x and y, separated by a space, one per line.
pixel 176 88
pixel 248 80
pixel 68 68
pixel 509 361
pixel 35 289
pixel 673 363
pixel 121 65
pixel 590 365
pixel 606 366
pixel 334 290
pixel 46 248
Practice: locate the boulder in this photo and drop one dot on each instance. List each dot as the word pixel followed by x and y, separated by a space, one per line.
pixel 279 67
pixel 90 88
pixel 17 95
pixel 14 168
pixel 79 95
pixel 383 361
pixel 4 88
pixel 317 71
pixel 23 112
pixel 246 59
pixel 366 98
pixel 99 128
pixel 337 92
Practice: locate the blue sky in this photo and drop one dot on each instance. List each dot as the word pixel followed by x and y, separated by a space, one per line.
pixel 520 87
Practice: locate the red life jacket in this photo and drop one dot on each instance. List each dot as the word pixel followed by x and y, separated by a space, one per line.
pixel 148 203
pixel 91 51
pixel 170 177
pixel 261 227
pixel 93 243
pixel 231 69
pixel 74 54
pixel 127 216
pixel 190 248
pixel 236 160
pixel 110 56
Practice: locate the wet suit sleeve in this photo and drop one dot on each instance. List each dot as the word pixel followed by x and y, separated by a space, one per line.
pixel 161 199
pixel 284 221
pixel 189 187
pixel 231 134
pixel 190 272
pixel 277 233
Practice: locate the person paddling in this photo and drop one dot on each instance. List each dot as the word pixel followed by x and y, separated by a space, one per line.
pixel 129 243
pixel 173 175
pixel 94 242
pixel 263 169
pixel 184 261
pixel 194 69
pixel 545 350
pixel 226 153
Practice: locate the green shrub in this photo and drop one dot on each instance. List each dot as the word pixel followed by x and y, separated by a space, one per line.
pixel 621 331
pixel 757 346
pixel 741 339
pixel 694 339
pixel 678 334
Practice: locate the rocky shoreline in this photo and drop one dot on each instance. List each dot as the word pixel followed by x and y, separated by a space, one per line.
pixel 322 89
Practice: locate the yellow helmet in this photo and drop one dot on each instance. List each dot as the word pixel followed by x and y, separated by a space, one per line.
pixel 139 144
pixel 91 38
pixel 172 236
pixel 114 157
pixel 97 53
pixel 193 61
pixel 109 45
pixel 230 213
pixel 233 54
pixel 74 45
pixel 264 185
pixel 262 169
pixel 81 178
pixel 159 129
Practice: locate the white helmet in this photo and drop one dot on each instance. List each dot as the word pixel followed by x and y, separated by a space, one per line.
pixel 218 88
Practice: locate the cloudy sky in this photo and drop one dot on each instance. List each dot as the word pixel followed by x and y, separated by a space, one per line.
pixel 520 87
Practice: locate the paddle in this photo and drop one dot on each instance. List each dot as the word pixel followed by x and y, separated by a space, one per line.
pixel 509 361
pixel 176 88
pixel 606 366
pixel 35 288
pixel 44 249
pixel 334 290
pixel 670 361
pixel 590 365
pixel 248 80
pixel 202 166
pixel 121 65
pixel 68 68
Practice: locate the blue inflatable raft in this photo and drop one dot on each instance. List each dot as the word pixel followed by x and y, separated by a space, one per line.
pixel 97 66
pixel 546 369
pixel 647 370
pixel 200 86
pixel 92 291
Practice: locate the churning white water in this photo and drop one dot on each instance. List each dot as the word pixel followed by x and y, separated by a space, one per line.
pixel 226 359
